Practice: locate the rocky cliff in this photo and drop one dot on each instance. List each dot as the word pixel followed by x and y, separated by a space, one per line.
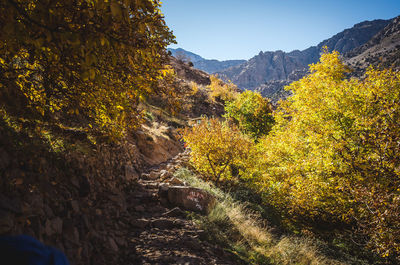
pixel 383 49
pixel 206 65
pixel 269 66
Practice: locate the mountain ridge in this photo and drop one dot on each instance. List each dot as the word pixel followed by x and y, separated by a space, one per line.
pixel 207 65
pixel 278 65
pixel 382 49
pixel 368 42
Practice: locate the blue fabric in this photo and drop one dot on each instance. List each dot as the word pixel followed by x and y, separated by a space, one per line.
pixel 25 250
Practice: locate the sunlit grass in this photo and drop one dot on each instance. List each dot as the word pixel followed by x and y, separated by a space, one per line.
pixel 244 233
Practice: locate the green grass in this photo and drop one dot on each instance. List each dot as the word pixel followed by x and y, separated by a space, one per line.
pixel 243 232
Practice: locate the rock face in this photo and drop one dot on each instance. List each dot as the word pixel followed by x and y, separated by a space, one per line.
pixel 206 65
pixel 354 37
pixel 383 48
pixel 274 89
pixel 213 66
pixel 266 67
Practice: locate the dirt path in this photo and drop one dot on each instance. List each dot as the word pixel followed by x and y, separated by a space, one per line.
pixel 161 235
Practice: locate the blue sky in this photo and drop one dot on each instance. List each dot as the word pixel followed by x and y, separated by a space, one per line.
pixel 240 29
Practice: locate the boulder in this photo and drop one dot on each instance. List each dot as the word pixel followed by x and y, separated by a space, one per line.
pixel 163 193
pixel 188 198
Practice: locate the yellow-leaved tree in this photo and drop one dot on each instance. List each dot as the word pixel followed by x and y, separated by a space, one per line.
pixel 333 153
pixel 60 58
pixel 221 91
pixel 219 151
pixel 252 113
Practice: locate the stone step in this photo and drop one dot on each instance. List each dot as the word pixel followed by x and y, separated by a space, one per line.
pixel 146 182
pixel 151 186
pixel 153 175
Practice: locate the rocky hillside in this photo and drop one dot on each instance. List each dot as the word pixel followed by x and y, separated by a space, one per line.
pixel 266 67
pixel 185 55
pixel 209 66
pixel 383 48
pixel 187 73
pixel 97 201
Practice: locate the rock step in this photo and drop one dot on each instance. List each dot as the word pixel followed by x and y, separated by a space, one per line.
pixel 151 186
pixel 155 175
pixel 145 181
pixel 158 232
pixel 162 223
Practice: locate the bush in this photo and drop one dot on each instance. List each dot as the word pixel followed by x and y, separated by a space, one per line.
pixel 221 91
pixel 219 151
pixel 333 153
pixel 251 112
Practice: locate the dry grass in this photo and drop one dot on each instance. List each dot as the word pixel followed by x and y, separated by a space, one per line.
pixel 244 233
pixel 162 114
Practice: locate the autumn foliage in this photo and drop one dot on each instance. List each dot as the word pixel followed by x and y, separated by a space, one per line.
pixel 222 91
pixel 333 153
pixel 251 112
pixel 95 59
pixel 331 156
pixel 219 151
